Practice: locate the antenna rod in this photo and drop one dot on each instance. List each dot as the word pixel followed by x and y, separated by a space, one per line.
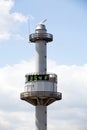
pixel 43 21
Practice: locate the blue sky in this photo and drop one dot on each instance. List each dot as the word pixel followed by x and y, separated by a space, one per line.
pixel 67 57
pixel 66 20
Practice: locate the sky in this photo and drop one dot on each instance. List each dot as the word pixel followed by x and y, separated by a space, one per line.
pixel 66 55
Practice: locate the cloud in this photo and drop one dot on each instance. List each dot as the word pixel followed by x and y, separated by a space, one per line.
pixel 69 113
pixel 9 19
pixel 19 17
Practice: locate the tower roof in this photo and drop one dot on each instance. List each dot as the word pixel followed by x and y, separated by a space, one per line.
pixel 40 26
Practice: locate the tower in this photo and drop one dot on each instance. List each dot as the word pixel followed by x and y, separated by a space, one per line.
pixel 41 87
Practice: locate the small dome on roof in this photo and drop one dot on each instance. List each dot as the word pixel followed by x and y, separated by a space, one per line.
pixel 40 26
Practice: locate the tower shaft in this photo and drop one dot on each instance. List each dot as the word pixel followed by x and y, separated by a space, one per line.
pixel 41 54
pixel 41 117
pixel 41 68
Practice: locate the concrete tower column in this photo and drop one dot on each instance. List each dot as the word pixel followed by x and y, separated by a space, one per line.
pixel 41 54
pixel 41 117
pixel 41 68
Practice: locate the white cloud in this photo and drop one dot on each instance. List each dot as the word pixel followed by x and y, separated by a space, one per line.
pixel 5 36
pixel 19 17
pixel 8 19
pixel 69 113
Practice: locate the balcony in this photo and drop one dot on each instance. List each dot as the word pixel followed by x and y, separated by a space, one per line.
pixel 40 36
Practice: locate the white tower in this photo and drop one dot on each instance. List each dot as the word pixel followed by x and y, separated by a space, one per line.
pixel 41 87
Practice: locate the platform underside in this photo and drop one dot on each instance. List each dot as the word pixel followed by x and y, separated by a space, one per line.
pixel 41 97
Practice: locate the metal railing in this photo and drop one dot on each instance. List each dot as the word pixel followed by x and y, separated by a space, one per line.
pixel 42 94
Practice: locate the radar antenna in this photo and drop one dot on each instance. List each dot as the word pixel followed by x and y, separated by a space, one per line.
pixel 43 21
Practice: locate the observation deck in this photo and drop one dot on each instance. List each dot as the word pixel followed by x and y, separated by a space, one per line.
pixel 41 89
pixel 41 36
